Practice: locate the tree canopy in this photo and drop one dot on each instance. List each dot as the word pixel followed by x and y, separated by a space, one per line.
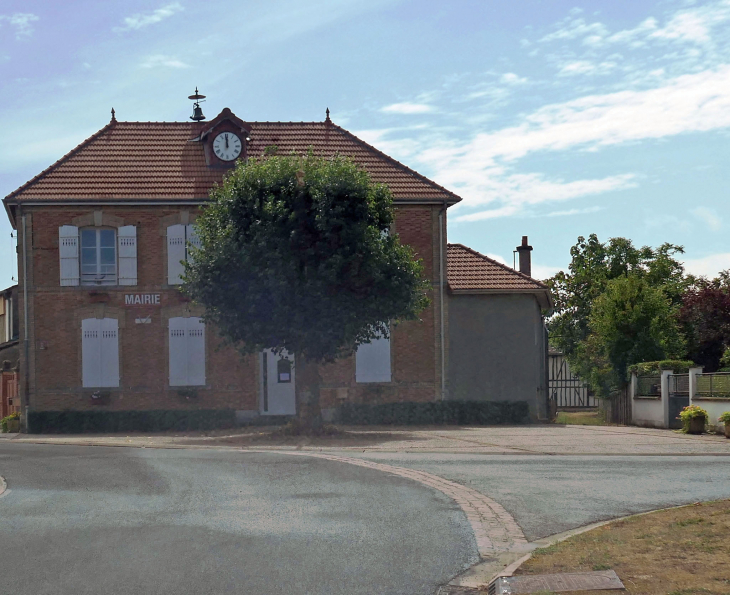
pixel 609 304
pixel 295 253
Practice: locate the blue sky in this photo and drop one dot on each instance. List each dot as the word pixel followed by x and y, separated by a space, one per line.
pixel 551 119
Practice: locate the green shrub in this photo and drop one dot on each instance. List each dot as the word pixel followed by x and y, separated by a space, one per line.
pixel 4 421
pixel 678 366
pixel 437 412
pixel 80 422
pixel 691 412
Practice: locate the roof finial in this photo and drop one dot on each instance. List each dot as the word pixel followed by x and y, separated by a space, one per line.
pixel 197 110
pixel 114 117
pixel 327 119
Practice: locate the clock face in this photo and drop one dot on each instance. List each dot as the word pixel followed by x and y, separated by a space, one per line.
pixel 227 146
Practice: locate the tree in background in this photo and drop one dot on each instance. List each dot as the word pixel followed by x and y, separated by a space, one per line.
pixel 594 266
pixel 632 321
pixel 295 255
pixel 705 320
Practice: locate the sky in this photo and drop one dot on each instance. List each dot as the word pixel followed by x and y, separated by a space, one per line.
pixel 552 119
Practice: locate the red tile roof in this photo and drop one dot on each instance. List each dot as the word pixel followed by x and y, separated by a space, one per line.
pixel 468 270
pixel 158 161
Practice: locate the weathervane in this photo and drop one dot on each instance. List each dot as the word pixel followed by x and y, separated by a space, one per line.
pixel 197 110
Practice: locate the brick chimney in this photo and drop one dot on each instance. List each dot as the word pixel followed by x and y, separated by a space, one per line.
pixel 525 257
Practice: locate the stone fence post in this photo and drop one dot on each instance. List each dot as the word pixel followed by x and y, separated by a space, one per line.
pixel 665 395
pixel 693 383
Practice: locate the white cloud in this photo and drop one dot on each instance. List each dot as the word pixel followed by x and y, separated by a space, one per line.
pixel 689 103
pixel 407 108
pixel 708 216
pixel 570 212
pixel 22 22
pixel 575 28
pixel 708 266
pixel 586 67
pixel 518 190
pixel 160 60
pixel 139 21
pixel 510 78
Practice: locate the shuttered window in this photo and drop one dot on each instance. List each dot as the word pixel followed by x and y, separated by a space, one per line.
pixel 68 250
pixel 187 351
pixel 372 361
pixel 179 239
pixel 100 352
pixel 127 244
pixel 97 256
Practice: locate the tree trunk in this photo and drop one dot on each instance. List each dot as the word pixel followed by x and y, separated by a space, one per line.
pixel 309 414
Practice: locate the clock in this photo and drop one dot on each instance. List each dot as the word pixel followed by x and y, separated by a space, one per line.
pixel 227 146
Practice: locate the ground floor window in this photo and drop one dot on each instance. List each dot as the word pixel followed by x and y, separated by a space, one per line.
pixel 100 352
pixel 187 351
pixel 372 361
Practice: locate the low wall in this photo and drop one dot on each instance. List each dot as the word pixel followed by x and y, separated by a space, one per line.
pixel 648 412
pixel 715 407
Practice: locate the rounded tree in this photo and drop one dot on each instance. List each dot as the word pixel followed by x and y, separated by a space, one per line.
pixel 295 254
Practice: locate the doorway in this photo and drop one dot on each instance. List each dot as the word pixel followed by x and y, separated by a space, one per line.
pixel 278 396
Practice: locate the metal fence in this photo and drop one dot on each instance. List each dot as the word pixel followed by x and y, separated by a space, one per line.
pixel 649 386
pixel 713 385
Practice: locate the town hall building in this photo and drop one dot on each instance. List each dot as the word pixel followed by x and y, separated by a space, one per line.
pixel 103 232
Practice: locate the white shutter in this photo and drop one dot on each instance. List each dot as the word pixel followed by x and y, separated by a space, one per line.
pixel 178 352
pixel 91 352
pixel 196 351
pixel 175 253
pixel 68 250
pixel 372 361
pixel 127 245
pixel 192 236
pixel 109 374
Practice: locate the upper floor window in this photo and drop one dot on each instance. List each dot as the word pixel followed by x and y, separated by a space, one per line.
pixel 179 239
pixel 98 255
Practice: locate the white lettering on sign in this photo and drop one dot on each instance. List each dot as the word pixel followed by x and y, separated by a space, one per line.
pixel 142 299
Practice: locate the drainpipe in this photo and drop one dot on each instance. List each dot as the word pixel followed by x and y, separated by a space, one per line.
pixel 25 323
pixel 441 298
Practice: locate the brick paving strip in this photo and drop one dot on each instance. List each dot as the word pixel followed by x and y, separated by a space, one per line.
pixel 494 528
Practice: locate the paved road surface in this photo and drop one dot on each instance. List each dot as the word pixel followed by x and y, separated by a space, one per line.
pixel 551 494
pixel 79 520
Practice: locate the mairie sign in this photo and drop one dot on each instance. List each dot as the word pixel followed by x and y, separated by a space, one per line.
pixel 142 299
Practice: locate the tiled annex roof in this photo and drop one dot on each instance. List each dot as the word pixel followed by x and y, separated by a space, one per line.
pixel 468 270
pixel 156 160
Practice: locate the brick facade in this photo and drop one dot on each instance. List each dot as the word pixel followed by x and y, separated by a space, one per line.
pixel 54 382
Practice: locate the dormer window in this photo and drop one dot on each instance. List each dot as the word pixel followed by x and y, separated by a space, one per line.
pixel 98 256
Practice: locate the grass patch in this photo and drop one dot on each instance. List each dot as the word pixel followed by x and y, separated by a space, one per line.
pixel 580 418
pixel 678 552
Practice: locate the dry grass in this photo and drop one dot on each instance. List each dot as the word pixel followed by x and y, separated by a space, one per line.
pixel 673 552
pixel 581 418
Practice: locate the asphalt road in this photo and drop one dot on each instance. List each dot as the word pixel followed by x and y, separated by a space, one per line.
pixel 78 520
pixel 551 494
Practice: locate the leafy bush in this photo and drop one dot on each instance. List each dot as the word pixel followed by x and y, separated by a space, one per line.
pixel 438 412
pixel 691 412
pixel 79 422
pixel 677 366
pixel 724 418
pixel 4 421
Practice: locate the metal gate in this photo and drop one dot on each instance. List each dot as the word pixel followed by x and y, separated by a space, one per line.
pixel 678 397
pixel 568 390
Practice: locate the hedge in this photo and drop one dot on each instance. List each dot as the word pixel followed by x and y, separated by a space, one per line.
pixel 678 366
pixel 438 412
pixel 79 422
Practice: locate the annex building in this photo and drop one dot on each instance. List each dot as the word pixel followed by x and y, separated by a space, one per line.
pixel 102 234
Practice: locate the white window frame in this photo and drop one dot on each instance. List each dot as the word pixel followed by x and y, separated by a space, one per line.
pixel 186 349
pixel 100 353
pixel 175 233
pixel 376 354
pixel 99 277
